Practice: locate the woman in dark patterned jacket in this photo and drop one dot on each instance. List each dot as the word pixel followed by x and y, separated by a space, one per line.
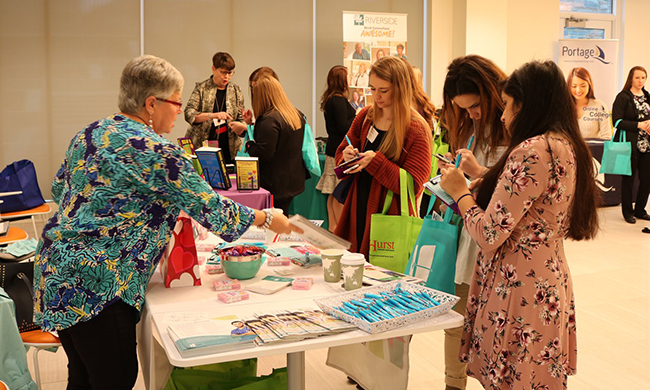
pixel 213 100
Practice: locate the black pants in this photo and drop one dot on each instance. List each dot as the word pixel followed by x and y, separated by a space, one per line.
pixel 102 352
pixel 640 168
pixel 283 204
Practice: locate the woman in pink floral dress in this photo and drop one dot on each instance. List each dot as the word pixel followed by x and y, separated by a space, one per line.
pixel 520 330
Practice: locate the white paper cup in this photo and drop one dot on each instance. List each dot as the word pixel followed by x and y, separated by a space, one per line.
pixel 352 266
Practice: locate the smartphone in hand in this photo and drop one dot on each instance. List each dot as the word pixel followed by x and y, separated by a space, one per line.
pixel 444 159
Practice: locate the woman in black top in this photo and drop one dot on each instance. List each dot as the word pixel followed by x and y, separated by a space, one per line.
pixel 278 133
pixel 339 115
pixel 632 106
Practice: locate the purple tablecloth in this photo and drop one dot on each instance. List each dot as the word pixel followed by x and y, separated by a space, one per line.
pixel 257 199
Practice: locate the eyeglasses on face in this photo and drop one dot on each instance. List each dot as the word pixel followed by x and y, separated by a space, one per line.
pixel 226 72
pixel 177 104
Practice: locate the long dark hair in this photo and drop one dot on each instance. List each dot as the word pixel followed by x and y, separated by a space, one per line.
pixel 475 75
pixel 630 76
pixel 539 90
pixel 337 84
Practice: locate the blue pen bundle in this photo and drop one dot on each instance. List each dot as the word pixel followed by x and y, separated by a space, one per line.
pixel 388 306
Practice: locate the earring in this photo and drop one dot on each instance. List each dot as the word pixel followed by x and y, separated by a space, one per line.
pixel 151 121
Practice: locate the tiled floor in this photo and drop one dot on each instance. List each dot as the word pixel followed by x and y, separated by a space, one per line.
pixel 611 276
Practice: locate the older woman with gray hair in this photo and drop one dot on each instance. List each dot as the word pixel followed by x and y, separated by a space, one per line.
pixel 119 189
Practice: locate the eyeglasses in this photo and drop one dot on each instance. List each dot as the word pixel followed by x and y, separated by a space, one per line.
pixel 226 72
pixel 177 104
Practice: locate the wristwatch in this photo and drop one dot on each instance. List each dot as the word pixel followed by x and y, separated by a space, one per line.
pixel 269 218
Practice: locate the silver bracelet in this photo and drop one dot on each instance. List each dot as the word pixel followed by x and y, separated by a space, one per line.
pixel 269 218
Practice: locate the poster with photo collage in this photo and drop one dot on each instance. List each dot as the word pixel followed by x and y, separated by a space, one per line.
pixel 367 37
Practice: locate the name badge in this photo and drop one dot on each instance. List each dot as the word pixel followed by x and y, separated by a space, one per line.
pixel 372 134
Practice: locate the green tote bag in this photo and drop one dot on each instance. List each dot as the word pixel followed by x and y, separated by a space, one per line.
pixel 617 156
pixel 392 237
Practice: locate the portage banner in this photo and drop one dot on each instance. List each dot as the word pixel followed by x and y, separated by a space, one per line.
pixel 599 57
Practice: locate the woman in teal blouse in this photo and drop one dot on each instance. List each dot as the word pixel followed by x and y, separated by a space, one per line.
pixel 120 189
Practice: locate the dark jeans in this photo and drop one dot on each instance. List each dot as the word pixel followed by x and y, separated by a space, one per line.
pixel 640 168
pixel 102 351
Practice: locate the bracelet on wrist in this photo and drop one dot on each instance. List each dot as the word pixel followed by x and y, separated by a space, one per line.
pixel 269 218
pixel 462 196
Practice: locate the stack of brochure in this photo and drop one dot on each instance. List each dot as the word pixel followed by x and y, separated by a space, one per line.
pixel 283 326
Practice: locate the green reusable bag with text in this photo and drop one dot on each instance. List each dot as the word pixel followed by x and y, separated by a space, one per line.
pixel 392 237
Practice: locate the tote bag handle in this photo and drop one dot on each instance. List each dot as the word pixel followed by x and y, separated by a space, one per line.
pixel 622 139
pixel 406 186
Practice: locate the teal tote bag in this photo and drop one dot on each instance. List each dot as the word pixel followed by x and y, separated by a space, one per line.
pixel 617 156
pixel 434 256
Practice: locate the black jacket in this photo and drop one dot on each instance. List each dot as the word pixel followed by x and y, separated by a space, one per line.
pixel 339 115
pixel 279 148
pixel 625 109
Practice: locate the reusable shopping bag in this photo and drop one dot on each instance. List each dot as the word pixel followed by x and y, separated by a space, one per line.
pixel 392 236
pixel 309 152
pixel 437 147
pixel 20 176
pixel 434 256
pixel 235 375
pixel 617 156
pixel 378 365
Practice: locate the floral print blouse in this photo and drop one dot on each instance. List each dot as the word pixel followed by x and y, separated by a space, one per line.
pixel 520 330
pixel 119 190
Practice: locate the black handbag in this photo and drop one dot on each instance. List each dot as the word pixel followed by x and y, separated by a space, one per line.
pixel 16 279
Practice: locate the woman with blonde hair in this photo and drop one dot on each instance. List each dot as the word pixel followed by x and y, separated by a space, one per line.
pixel 592 115
pixel 388 135
pixel 278 137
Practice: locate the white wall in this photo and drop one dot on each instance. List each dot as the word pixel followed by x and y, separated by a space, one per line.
pixel 635 37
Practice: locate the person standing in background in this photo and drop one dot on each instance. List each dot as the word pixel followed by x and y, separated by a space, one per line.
pixel 472 107
pixel 213 103
pixel 593 117
pixel 278 136
pixel 339 115
pixel 632 107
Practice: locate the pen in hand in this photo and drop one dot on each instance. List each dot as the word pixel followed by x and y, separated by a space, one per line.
pixel 350 143
pixel 469 147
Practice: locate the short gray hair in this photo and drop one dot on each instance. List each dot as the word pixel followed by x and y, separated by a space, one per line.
pixel 146 76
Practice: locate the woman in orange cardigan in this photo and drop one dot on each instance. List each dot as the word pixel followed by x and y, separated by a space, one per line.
pixel 388 135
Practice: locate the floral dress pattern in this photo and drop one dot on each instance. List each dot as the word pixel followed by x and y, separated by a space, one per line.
pixel 519 331
pixel 119 190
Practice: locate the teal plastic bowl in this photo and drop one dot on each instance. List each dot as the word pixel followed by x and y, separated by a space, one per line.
pixel 241 270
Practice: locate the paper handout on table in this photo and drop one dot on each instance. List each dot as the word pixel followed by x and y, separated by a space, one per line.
pixel 317 236
pixel 211 336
